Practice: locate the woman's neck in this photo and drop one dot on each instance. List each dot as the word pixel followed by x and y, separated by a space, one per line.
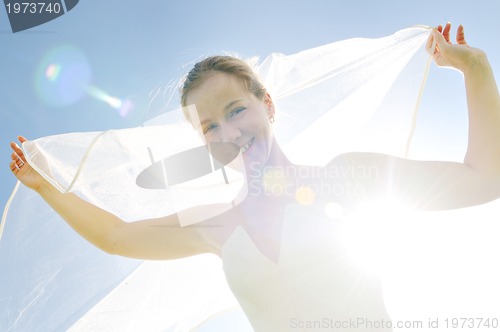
pixel 256 178
pixel 277 157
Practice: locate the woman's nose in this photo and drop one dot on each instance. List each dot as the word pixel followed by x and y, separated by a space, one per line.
pixel 229 133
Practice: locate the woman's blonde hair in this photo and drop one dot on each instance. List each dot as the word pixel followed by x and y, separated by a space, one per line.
pixel 222 64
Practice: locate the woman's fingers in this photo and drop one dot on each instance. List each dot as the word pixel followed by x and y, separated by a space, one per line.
pixel 18 150
pixel 18 158
pixel 461 35
pixel 430 43
pixel 434 40
pixel 446 32
pixel 442 35
pixel 17 162
pixel 13 166
pixel 15 157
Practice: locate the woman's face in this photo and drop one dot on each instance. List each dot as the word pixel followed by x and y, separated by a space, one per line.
pixel 229 113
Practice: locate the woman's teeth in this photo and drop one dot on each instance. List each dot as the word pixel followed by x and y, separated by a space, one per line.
pixel 245 147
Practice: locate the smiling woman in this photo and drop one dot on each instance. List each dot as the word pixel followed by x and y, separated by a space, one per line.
pixel 294 256
pixel 230 113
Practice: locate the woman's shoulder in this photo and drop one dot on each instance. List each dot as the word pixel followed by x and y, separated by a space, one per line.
pixel 359 158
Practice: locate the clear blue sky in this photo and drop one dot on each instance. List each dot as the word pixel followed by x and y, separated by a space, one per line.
pixel 133 47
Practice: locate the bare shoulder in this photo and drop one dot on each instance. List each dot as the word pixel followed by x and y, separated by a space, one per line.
pixel 364 159
pixel 358 176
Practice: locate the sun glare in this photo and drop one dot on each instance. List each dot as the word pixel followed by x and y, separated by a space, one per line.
pixel 370 232
pixel 428 261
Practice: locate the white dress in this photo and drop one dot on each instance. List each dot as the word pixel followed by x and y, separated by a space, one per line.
pixel 313 286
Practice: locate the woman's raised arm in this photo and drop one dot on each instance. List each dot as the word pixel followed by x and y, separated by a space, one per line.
pixel 439 185
pixel 161 238
pixel 483 99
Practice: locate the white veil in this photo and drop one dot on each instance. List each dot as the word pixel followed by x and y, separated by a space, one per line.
pixel 353 95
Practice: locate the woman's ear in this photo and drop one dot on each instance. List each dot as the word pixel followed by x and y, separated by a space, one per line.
pixel 270 106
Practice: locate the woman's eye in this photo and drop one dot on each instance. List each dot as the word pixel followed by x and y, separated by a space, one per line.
pixel 208 128
pixel 237 111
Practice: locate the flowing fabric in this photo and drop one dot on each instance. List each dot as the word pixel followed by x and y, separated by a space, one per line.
pixel 353 95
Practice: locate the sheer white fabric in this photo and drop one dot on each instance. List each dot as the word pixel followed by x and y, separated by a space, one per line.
pixel 353 95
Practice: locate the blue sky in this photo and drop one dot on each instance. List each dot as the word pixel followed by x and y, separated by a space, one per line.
pixel 131 48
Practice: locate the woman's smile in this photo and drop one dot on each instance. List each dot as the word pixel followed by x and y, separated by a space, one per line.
pixel 247 146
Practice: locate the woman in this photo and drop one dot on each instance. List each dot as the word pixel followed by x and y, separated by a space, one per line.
pixel 294 265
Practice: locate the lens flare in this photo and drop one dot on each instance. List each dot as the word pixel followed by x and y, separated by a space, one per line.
pixel 52 72
pixel 123 107
pixel 62 76
pixel 304 195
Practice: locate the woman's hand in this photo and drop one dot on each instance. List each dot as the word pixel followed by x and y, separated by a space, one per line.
pixel 22 170
pixel 446 54
pixel 160 238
